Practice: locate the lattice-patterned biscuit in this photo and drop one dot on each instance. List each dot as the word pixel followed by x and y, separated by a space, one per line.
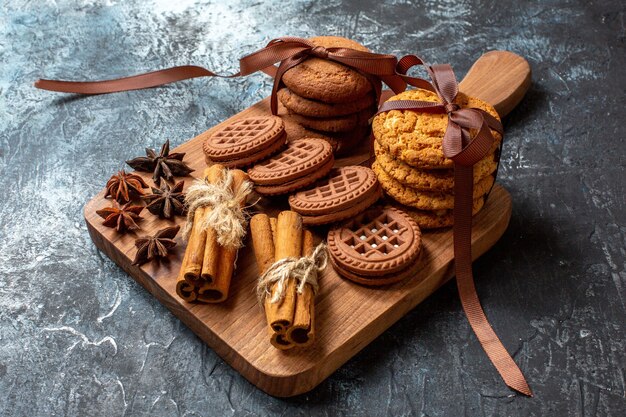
pixel 410 271
pixel 378 242
pixel 301 158
pixel 344 187
pixel 244 138
pixel 300 182
pixel 245 161
pixel 347 212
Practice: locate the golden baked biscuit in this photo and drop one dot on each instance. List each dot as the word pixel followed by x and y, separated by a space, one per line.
pixel 415 137
pixel 435 219
pixel 429 179
pixel 425 200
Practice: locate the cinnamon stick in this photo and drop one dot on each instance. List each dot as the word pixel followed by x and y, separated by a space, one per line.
pixel 302 331
pixel 213 174
pixel 209 259
pixel 193 260
pixel 186 291
pixel 288 244
pixel 216 291
pixel 263 245
pixel 262 241
pixel 273 227
pixel 207 267
pixel 279 341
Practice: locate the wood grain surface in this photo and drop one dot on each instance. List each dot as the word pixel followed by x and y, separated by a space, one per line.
pixel 501 78
pixel 348 316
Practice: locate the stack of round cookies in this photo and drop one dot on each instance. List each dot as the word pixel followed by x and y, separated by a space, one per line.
pixel 328 100
pixel 412 168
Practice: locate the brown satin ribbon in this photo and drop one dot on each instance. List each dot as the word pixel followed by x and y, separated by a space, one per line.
pixel 287 52
pixel 465 151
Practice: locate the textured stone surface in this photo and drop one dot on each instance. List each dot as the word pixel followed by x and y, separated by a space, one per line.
pixel 79 337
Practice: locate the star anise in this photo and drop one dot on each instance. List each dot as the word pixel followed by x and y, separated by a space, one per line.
pixel 155 247
pixel 166 201
pixel 122 218
pixel 164 165
pixel 123 187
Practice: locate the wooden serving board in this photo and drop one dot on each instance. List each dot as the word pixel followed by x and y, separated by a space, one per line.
pixel 348 316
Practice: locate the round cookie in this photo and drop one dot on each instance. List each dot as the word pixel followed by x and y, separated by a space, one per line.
pixel 341 142
pixel 314 108
pixel 435 219
pixel 344 187
pixel 381 280
pixel 345 123
pixel 433 179
pixel 377 242
pixel 425 200
pixel 251 159
pixel 346 192
pixel 295 131
pixel 415 137
pixel 244 141
pixel 293 185
pixel 346 213
pixel 325 80
pixel 301 158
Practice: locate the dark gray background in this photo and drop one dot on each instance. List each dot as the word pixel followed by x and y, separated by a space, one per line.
pixel 79 337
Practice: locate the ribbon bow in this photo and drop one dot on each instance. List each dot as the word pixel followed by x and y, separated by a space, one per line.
pixel 466 141
pixel 457 143
pixel 286 51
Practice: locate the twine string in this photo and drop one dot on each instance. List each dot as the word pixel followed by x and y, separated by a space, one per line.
pixel 305 270
pixel 227 215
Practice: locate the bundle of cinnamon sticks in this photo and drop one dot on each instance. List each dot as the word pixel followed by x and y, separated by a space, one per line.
pixel 207 267
pixel 290 318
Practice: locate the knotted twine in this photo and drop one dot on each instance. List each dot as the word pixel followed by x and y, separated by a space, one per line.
pixel 304 270
pixel 227 216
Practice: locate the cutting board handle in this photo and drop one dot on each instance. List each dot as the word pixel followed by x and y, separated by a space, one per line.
pixel 501 78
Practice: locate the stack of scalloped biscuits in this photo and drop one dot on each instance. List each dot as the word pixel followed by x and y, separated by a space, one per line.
pixel 380 246
pixel 244 142
pixel 328 100
pixel 303 162
pixel 411 167
pixel 346 192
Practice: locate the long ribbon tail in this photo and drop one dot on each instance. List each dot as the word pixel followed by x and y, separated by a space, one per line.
pixel 497 353
pixel 136 82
